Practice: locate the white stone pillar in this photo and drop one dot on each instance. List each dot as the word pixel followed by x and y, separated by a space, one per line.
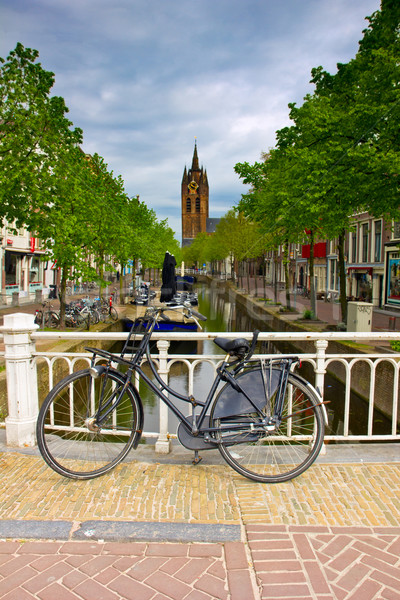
pixel 320 370
pixel 163 444
pixel 22 389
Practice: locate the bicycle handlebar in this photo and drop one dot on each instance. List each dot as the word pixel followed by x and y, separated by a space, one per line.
pixel 198 315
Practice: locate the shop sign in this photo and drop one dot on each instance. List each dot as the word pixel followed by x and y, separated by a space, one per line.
pixel 393 279
pixel 32 244
pixel 9 242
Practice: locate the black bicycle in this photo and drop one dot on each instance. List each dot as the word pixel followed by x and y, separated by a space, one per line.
pixel 266 421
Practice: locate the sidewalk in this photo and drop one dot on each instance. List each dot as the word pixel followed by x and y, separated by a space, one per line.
pixel 158 527
pixel 330 312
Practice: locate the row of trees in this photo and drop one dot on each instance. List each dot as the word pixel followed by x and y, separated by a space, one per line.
pixel 237 238
pixel 341 153
pixel 71 201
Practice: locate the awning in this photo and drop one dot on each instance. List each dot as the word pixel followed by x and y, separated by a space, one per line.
pixel 367 270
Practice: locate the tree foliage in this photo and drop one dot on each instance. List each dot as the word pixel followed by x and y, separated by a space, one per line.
pixel 340 155
pixel 70 200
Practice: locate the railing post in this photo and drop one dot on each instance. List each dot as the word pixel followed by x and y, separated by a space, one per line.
pixel 320 370
pixel 163 444
pixel 22 389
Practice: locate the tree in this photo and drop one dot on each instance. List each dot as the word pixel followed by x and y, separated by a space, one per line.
pixel 341 155
pixel 33 128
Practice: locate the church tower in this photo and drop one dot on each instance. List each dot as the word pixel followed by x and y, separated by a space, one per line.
pixel 194 198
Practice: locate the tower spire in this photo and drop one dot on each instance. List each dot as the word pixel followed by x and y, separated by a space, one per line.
pixel 195 161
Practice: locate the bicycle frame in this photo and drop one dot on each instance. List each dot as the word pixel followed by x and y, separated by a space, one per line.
pixel 194 423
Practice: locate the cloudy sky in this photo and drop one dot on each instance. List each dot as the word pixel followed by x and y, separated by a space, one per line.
pixel 144 78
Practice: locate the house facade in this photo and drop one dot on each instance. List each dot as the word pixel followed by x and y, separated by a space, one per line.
pixel 372 263
pixel 22 270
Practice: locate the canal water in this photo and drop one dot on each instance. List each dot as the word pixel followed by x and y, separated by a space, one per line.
pixel 223 314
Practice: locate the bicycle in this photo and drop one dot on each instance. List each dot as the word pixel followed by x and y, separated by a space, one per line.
pixel 107 312
pixel 47 317
pixel 266 421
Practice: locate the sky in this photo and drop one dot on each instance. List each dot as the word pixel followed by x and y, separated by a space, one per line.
pixel 144 79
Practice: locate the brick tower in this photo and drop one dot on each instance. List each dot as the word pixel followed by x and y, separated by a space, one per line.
pixel 194 197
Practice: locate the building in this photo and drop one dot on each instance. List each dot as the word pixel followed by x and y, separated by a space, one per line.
pixel 22 270
pixel 195 201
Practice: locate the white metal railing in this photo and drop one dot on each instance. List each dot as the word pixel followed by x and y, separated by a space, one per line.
pixel 20 334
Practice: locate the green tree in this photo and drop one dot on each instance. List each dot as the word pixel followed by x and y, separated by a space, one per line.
pixel 33 129
pixel 341 155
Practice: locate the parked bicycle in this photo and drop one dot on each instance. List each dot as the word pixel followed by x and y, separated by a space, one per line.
pixel 266 421
pixel 106 310
pixel 46 316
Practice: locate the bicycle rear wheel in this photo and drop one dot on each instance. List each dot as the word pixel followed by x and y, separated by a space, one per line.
pixel 108 314
pixel 275 453
pixel 68 436
pixel 52 320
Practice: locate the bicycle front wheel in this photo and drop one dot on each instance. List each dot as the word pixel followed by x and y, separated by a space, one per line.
pixel 268 453
pixel 85 428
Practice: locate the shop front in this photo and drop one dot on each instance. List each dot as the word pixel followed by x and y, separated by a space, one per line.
pixel 361 283
pixel 392 277
pixel 22 274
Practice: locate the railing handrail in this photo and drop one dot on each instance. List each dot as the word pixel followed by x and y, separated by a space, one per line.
pixel 20 335
pixel 201 335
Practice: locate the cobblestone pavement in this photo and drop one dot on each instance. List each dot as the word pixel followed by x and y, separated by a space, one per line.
pixel 161 531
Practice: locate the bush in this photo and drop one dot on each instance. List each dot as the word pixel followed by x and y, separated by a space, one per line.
pixel 308 315
pixel 395 345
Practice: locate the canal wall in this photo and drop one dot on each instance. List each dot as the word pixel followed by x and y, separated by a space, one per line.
pixel 268 318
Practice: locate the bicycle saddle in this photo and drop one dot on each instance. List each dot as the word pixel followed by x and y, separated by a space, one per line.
pixel 238 346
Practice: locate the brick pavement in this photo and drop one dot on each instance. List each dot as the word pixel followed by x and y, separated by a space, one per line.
pixel 333 532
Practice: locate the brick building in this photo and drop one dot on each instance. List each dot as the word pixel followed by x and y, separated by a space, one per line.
pixel 194 198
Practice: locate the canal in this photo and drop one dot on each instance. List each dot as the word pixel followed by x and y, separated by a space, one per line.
pixel 224 314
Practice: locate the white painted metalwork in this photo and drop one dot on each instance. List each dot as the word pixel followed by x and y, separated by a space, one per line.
pixel 21 358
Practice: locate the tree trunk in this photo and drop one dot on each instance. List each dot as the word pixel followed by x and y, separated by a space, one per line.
pixel 313 293
pixel 275 276
pixel 265 279
pixel 121 285
pixel 342 276
pixel 287 278
pixel 62 295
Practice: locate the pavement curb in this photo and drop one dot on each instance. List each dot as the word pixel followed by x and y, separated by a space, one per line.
pixel 120 531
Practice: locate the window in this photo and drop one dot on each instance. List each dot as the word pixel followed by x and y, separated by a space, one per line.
pixel 377 240
pixel 188 205
pixel 364 242
pixel 197 205
pixel 34 270
pixel 396 230
pixel 333 274
pixel 354 246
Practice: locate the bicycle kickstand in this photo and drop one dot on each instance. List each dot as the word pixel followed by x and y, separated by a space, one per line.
pixel 197 458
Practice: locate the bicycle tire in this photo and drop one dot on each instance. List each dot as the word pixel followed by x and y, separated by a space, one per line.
pixel 113 314
pixel 269 456
pixel 108 314
pixel 72 445
pixel 39 318
pixel 94 316
pixel 52 320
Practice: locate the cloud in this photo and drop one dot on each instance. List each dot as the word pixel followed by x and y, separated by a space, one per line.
pixel 142 79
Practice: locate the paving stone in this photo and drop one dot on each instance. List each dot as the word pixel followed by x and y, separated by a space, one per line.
pixel 332 533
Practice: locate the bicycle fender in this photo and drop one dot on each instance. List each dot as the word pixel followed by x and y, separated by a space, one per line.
pixel 317 393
